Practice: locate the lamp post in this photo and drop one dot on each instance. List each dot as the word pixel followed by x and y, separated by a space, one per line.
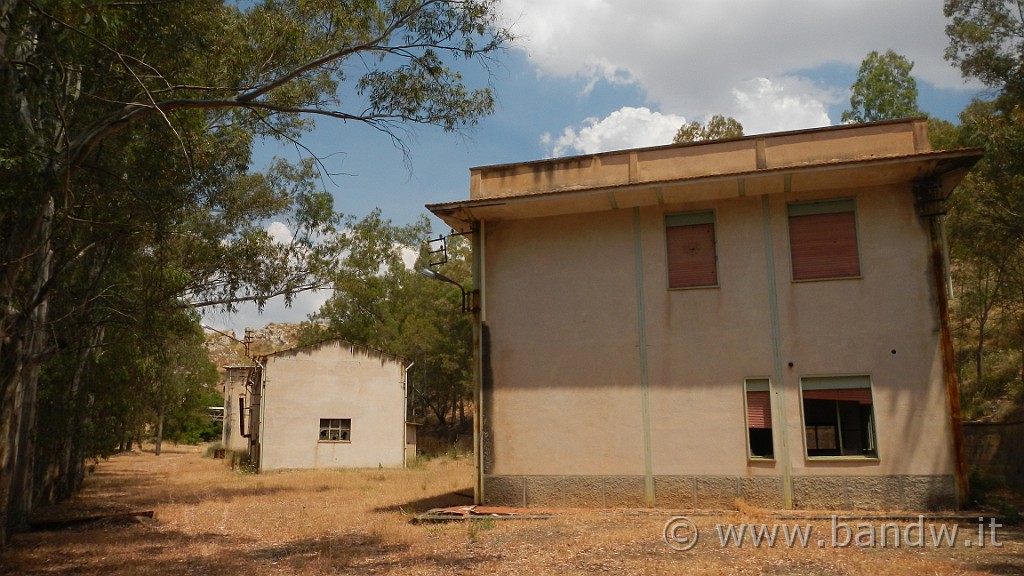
pixel 471 302
pixel 467 304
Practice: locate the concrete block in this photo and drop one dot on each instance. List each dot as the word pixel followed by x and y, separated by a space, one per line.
pixel 717 492
pixel 819 493
pixel 762 491
pixel 675 491
pixel 583 491
pixel 505 490
pixel 544 491
pixel 624 492
pixel 928 492
pixel 874 492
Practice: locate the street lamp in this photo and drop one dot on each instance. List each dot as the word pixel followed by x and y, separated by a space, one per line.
pixel 466 296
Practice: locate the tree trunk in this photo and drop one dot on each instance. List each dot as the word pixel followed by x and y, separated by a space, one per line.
pixel 59 458
pixel 979 354
pixel 1020 332
pixel 159 431
pixel 20 380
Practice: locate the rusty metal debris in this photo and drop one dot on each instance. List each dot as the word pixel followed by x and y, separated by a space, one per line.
pixel 453 513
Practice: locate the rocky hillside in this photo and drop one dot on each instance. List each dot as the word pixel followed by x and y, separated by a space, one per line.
pixel 270 338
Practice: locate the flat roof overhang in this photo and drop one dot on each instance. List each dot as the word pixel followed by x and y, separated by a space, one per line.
pixel 946 167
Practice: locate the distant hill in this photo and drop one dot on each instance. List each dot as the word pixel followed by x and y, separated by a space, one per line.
pixel 273 337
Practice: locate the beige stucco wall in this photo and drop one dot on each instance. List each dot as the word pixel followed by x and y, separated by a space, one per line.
pixel 234 388
pixel 332 380
pixel 561 305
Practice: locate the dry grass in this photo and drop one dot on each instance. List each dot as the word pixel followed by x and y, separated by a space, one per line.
pixel 210 520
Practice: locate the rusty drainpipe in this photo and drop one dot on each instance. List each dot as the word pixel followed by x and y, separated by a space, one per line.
pixel 932 205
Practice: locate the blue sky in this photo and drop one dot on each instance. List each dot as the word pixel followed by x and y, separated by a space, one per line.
pixel 586 76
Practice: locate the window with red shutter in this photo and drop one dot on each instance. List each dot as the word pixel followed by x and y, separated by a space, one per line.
pixel 690 245
pixel 759 418
pixel 823 240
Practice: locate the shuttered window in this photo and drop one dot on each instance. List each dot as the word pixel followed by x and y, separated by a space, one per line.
pixel 690 242
pixel 823 240
pixel 759 418
pixel 859 395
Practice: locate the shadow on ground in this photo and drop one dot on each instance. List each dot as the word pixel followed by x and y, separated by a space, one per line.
pixel 462 497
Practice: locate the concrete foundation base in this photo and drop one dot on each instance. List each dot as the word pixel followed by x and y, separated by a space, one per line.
pixel 919 493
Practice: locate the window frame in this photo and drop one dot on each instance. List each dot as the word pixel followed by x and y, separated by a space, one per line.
pixel 758 383
pixel 692 218
pixel 344 429
pixel 820 208
pixel 868 425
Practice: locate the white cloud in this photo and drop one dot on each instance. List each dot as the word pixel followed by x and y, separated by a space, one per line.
pixel 409 256
pixel 624 128
pixel 733 57
pixel 279 232
pixel 766 105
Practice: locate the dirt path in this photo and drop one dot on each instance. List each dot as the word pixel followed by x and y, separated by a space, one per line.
pixel 210 520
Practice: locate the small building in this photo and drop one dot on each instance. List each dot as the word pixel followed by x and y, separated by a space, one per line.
pixel 329 405
pixel 761 318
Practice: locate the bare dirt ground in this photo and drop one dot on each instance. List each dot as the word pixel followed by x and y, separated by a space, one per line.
pixel 210 520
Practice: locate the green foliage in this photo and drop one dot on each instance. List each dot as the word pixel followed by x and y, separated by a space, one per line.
pixel 474 526
pixel 986 41
pixel 717 128
pixel 154 377
pixel 883 90
pixel 987 222
pixel 380 303
pixel 986 234
pixel 126 196
pixel 943 134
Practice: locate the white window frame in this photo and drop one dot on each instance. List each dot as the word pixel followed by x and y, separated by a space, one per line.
pixel 839 382
pixel 341 426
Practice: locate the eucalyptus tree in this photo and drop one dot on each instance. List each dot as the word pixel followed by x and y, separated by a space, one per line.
pixel 987 242
pixel 717 128
pixel 126 131
pixel 883 90
pixel 986 41
pixel 381 300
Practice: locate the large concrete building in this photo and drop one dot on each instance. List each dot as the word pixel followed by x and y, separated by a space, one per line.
pixel 759 318
pixel 330 405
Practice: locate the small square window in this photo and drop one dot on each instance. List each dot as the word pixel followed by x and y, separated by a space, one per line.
pixel 690 244
pixel 823 240
pixel 759 418
pixel 839 416
pixel 335 429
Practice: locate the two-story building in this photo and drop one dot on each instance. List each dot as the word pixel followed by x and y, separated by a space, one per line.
pixel 760 318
